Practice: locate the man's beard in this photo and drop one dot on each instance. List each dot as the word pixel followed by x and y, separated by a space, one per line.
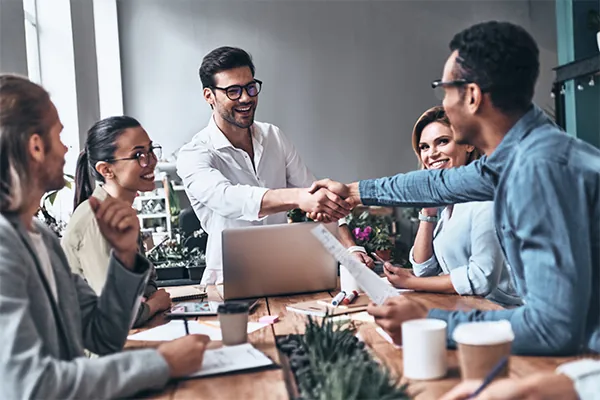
pixel 229 116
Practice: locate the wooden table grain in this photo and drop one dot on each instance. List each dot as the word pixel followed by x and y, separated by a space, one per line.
pixel 271 384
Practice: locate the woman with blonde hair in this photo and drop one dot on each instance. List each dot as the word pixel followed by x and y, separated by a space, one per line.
pixel 455 250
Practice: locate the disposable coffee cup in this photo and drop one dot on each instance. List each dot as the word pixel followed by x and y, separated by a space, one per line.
pixel 424 349
pixel 233 318
pixel 347 282
pixel 481 345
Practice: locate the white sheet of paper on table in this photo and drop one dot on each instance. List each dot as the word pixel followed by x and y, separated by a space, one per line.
pixel 231 358
pixel 176 329
pixel 369 281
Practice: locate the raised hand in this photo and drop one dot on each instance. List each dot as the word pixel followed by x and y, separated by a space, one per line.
pixel 119 225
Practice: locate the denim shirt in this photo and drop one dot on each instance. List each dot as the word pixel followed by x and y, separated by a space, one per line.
pixel 546 191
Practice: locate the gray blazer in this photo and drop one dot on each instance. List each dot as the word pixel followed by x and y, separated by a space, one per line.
pixel 42 341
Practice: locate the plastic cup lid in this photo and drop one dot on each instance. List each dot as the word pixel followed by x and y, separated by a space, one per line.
pixel 483 333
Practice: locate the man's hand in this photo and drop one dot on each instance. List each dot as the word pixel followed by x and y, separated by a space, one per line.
pixel 159 301
pixel 547 386
pixel 400 278
pixel 325 202
pixel 119 225
pixel 394 312
pixel 349 192
pixel 364 259
pixel 184 355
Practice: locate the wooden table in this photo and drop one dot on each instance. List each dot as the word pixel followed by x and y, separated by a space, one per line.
pixel 271 384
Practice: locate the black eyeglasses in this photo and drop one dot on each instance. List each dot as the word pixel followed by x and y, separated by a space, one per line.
pixel 142 157
pixel 234 92
pixel 439 86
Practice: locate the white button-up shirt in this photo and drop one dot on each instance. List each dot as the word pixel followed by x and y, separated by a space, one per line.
pixel 225 190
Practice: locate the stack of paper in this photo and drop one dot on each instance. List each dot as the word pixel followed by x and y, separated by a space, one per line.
pixel 176 329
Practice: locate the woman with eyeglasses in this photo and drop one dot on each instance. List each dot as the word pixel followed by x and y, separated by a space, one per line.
pixel 456 251
pixel 120 156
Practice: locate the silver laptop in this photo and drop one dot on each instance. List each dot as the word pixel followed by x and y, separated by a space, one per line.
pixel 272 260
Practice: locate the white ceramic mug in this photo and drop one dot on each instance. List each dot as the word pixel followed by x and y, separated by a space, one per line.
pixel 424 349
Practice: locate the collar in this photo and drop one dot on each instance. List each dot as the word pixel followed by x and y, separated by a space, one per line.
pixel 505 150
pixel 220 141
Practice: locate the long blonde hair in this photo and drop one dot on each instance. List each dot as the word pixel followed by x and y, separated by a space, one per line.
pixel 24 108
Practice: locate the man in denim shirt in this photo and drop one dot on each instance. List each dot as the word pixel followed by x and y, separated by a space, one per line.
pixel 546 188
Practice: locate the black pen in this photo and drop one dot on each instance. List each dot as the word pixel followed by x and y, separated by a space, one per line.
pixel 490 377
pixel 187 330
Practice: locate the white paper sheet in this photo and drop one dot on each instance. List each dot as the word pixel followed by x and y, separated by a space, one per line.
pixel 176 329
pixel 232 358
pixel 369 281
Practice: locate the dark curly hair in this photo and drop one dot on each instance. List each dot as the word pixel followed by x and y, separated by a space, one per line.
pixel 503 59
pixel 222 59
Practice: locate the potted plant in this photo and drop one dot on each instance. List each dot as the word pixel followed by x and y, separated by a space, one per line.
pixel 329 362
pixel 296 215
pixel 594 24
pixel 58 226
pixel 372 232
pixel 168 261
pixel 381 243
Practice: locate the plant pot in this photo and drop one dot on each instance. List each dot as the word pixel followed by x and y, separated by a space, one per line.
pixel 195 272
pixel 170 273
pixel 384 254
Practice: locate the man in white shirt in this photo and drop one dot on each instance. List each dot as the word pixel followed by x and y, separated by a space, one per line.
pixel 238 172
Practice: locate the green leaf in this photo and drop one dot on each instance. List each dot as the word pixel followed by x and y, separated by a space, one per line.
pixel 52 197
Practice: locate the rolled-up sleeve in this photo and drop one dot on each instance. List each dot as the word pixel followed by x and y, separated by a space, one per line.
pixel 480 276
pixel 429 267
pixel 206 184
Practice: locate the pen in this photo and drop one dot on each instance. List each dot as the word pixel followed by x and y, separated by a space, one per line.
pixel 490 377
pixel 187 329
pixel 338 298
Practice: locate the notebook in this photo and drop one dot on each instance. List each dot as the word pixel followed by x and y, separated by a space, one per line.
pixel 320 308
pixel 184 293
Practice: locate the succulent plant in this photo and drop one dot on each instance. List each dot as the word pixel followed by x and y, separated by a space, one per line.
pixel 330 363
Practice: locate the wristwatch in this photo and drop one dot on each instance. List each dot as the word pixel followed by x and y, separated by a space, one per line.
pixel 427 218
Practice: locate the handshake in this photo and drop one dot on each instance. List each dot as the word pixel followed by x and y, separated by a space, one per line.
pixel 328 200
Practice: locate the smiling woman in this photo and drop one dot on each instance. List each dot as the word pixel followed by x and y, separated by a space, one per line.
pixel 119 154
pixel 457 252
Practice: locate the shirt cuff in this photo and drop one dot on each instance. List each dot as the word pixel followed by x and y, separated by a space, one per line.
pixel 251 207
pixel 343 221
pixel 420 269
pixel 460 280
pixel 585 375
